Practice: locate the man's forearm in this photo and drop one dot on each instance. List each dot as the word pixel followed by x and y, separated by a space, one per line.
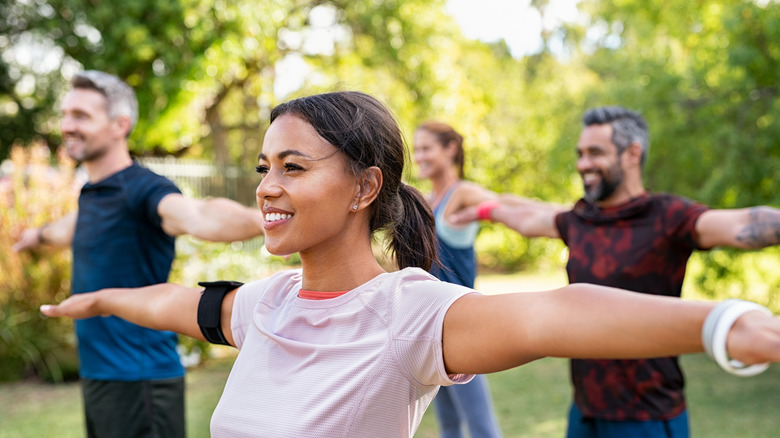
pixel 762 228
pixel 228 221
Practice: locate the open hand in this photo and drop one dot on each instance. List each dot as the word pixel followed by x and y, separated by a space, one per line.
pixel 28 239
pixel 755 338
pixel 78 306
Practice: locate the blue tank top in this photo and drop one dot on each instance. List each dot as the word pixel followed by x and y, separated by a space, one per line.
pixel 455 246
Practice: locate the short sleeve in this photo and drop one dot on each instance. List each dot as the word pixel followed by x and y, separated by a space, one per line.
pixel 244 303
pixel 250 294
pixel 562 224
pixel 162 188
pixel 680 219
pixel 145 191
pixel 418 330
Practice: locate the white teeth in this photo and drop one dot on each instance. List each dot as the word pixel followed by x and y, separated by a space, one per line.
pixel 273 217
pixel 589 178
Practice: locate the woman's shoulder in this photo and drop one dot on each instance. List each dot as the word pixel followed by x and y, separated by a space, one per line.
pixel 418 296
pixel 468 186
pixel 468 191
pixel 412 274
pixel 416 280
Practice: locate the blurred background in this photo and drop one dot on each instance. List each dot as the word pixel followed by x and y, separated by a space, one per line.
pixel 514 77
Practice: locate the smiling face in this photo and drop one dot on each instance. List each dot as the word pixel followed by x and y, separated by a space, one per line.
pixel 307 189
pixel 599 163
pixel 430 155
pixel 87 131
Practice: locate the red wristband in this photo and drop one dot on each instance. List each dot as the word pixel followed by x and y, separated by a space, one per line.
pixel 484 209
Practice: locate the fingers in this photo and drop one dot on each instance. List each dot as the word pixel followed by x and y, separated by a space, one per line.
pixel 755 338
pixel 28 239
pixel 77 306
pixel 50 310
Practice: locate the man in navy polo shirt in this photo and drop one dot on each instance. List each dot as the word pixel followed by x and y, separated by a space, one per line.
pixel 123 236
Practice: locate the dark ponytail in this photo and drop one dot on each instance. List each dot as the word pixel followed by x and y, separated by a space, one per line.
pixel 368 135
pixel 414 231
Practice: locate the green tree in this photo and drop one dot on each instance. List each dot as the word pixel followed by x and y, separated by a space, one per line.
pixel 28 84
pixel 705 75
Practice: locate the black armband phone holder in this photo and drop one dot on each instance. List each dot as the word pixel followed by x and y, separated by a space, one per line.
pixel 210 309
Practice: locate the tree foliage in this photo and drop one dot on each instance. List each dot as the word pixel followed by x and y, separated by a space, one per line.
pixel 207 72
pixel 705 74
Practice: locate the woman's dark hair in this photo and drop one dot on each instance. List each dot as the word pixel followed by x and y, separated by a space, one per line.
pixel 366 132
pixel 447 136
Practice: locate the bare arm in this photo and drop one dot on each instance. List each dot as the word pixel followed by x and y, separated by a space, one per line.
pixel 57 233
pixel 215 219
pixel 467 194
pixel 492 333
pixel 162 306
pixel 747 228
pixel 528 217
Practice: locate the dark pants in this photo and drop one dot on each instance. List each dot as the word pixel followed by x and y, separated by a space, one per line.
pixel 581 427
pixel 143 409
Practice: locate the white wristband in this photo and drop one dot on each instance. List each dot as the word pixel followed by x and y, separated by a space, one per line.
pixel 716 329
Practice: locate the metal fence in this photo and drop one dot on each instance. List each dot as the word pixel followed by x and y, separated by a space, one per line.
pixel 201 178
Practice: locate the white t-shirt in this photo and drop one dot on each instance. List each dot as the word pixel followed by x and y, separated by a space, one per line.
pixel 365 364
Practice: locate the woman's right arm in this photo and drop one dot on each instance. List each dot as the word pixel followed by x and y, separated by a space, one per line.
pixel 164 306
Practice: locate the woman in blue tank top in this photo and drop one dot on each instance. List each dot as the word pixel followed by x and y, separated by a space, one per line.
pixel 438 153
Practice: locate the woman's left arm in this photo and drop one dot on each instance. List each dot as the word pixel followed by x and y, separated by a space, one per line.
pixel 492 333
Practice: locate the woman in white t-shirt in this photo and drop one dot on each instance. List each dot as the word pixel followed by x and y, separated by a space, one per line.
pixel 343 348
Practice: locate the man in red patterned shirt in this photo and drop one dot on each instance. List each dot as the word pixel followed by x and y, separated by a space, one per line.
pixel 621 235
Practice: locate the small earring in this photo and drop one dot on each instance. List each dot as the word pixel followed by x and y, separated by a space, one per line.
pixel 354 206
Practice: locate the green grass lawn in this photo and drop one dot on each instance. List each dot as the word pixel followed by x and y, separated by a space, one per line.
pixel 531 401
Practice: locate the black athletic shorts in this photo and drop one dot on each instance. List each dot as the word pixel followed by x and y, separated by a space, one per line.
pixel 143 409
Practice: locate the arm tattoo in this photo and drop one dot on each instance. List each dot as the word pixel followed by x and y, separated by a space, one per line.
pixel 762 229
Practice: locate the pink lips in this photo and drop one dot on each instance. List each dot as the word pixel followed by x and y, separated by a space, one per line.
pixel 274 217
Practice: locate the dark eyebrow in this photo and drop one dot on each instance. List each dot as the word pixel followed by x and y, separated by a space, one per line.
pixel 591 148
pixel 283 155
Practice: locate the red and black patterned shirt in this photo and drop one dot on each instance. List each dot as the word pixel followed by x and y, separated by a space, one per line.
pixel 643 246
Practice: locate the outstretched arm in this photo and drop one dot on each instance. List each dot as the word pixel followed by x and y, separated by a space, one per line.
pixel 528 217
pixel 467 194
pixel 58 233
pixel 215 219
pixel 492 333
pixel 162 306
pixel 747 228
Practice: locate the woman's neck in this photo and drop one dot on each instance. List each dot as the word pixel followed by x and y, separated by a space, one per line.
pixel 339 270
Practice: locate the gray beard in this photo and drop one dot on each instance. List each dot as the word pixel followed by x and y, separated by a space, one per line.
pixel 603 190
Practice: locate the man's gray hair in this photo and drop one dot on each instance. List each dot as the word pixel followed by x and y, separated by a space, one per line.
pixel 120 97
pixel 627 126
